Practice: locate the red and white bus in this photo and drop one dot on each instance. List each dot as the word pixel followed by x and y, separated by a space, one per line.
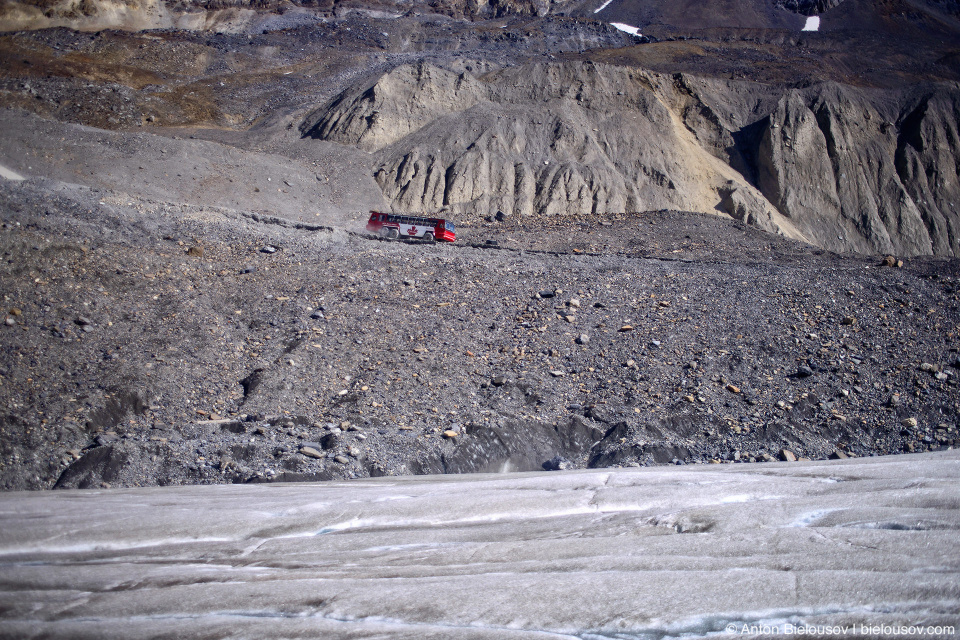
pixel 395 225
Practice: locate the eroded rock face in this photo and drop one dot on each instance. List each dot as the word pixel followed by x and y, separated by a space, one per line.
pixel 829 164
pixel 854 179
pixel 398 104
pixel 544 139
pixel 926 162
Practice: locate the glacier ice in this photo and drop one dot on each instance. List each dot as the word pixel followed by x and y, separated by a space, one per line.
pixel 623 553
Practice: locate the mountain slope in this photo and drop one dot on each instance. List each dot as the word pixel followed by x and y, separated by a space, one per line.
pixel 843 168
pixel 693 15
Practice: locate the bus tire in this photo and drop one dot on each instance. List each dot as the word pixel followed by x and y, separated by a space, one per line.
pixel 428 236
pixel 392 234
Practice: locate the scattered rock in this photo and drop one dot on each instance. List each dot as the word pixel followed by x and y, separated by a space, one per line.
pixel 910 422
pixel 342 459
pixel 106 438
pixel 803 371
pixel 732 388
pixel 890 261
pixel 330 440
pixel 557 463
pixel 195 252
pixel 583 338
pixel 787 456
pixel 310 452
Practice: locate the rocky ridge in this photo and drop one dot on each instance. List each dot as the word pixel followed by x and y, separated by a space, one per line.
pixel 233 16
pixel 843 168
pixel 808 7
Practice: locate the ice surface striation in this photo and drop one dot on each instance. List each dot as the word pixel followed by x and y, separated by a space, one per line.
pixel 626 553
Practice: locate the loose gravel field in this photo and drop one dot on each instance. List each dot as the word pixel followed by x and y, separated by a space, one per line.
pixel 147 343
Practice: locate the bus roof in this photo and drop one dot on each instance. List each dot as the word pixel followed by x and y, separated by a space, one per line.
pixel 408 216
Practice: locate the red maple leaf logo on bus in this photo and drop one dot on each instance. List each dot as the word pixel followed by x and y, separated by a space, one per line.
pixel 413 230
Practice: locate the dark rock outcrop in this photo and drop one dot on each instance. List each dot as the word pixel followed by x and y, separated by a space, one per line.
pixel 808 7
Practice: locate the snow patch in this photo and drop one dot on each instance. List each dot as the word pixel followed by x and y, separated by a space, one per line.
pixel 813 24
pixel 625 27
pixel 603 6
pixel 10 174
